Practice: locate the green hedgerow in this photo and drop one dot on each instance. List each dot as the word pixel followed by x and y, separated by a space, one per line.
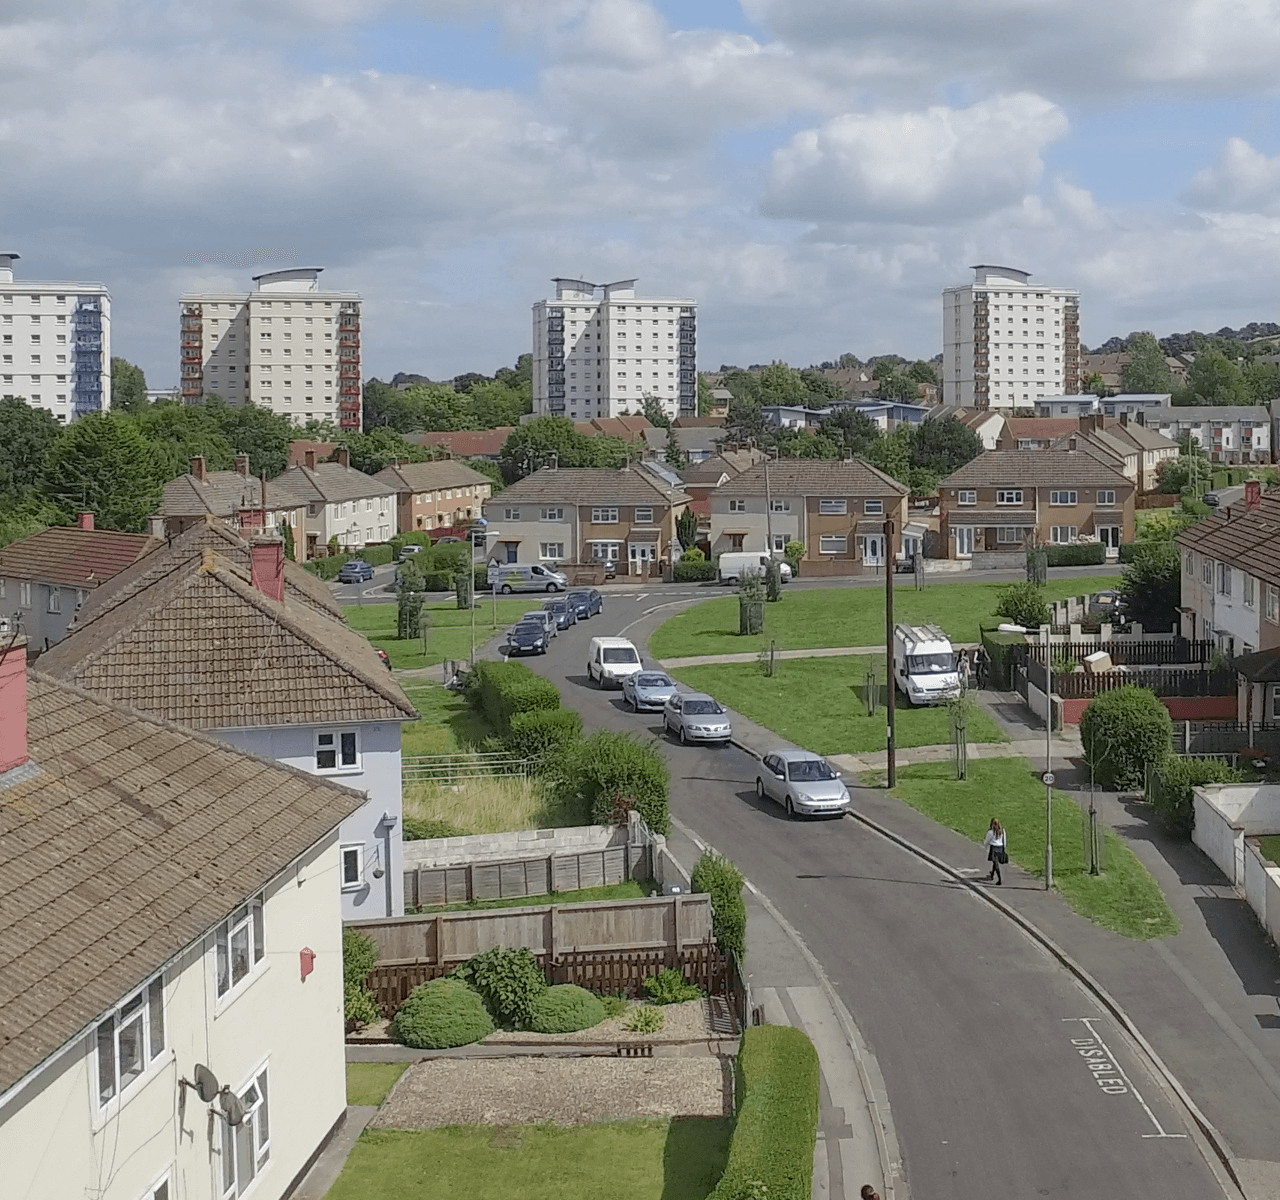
pixel 1176 777
pixel 359 956
pixel 612 772
pixel 722 881
pixel 669 987
pixel 440 1014
pixel 566 1008
pixel 508 981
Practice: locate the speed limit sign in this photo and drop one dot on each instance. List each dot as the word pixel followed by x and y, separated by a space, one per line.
pixel 1047 778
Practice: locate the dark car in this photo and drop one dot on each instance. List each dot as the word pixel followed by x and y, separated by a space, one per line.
pixel 527 638
pixel 355 570
pixel 586 603
pixel 563 612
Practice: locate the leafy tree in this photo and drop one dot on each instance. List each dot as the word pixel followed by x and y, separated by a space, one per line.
pixel 1261 382
pixel 258 432
pixel 944 445
pixel 781 384
pixel 706 401
pixel 654 413
pixel 103 463
pixel 318 431
pixel 490 470
pixel 371 452
pixel 26 515
pixel 1213 379
pixel 804 443
pixel 891 453
pixel 850 361
pixel 674 452
pixel 538 442
pixel 922 372
pixel 1122 730
pixel 128 387
pixel 437 406
pixel 1023 603
pixel 853 431
pixel 519 377
pixel 745 421
pixel 386 405
pixel 28 433
pixel 494 403
pixel 893 384
pixel 1151 585
pixel 1146 370
pixel 743 385
pixel 687 528
pixel 821 390
pixel 178 432
pixel 1093 382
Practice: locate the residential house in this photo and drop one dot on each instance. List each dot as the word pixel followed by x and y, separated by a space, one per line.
pixel 701 479
pixel 794 416
pixel 1035 433
pixel 1012 499
pixel 1152 446
pixel 1134 449
pixel 697 442
pixel 236 497
pixel 336 502
pixel 1227 433
pixel 887 415
pixel 1121 456
pixel 629 428
pixel 987 423
pixel 233 652
pixel 299 446
pixel 1109 366
pixel 710 422
pixel 169 911
pixel 466 443
pixel 1082 405
pixel 837 510
pixel 562 516
pixel 45 579
pixel 433 495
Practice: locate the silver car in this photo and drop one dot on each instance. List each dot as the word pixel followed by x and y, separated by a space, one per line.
pixel 545 619
pixel 802 783
pixel 647 689
pixel 696 717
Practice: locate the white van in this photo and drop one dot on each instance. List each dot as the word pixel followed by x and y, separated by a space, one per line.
pixel 610 660
pixel 924 664
pixel 522 577
pixel 732 566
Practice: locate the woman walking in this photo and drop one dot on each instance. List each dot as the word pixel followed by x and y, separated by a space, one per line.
pixel 997 853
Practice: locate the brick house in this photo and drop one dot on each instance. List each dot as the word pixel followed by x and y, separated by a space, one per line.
pixel 433 495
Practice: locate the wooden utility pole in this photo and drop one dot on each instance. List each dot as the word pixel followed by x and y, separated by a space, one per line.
pixel 892 777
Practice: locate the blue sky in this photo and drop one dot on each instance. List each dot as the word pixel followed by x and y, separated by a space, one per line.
pixel 812 172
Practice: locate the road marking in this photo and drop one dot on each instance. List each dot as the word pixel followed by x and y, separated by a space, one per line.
pixel 1109 1074
pixel 642 596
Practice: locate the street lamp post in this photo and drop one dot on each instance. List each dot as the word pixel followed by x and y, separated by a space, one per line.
pixel 891 776
pixel 1048 757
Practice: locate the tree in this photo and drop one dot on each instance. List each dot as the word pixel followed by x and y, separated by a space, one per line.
pixel 944 445
pixel 922 372
pixel 1093 382
pixel 519 377
pixel 821 390
pixel 1261 382
pixel 128 387
pixel 102 463
pixel 891 453
pixel 1151 585
pixel 674 452
pixel 687 528
pixel 853 431
pixel 1213 379
pixel 494 404
pixel 491 471
pixel 654 413
pixel 22 517
pixel 804 443
pixel 258 432
pixel 1122 730
pixel 745 422
pixel 1146 370
pixel 28 434
pixel 706 401
pixel 781 384
pixel 371 452
pixel 179 432
pixel 544 440
pixel 1023 604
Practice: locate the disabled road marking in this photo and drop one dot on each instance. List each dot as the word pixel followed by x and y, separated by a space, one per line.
pixel 1109 1074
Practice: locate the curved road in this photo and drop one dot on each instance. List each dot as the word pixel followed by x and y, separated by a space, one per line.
pixel 972 1023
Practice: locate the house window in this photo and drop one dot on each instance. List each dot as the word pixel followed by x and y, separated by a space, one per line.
pixel 553 514
pixel 833 508
pixel 1064 497
pixel 511 514
pixel 552 550
pixel 873 508
pixel 779 541
pixel 129 1039
pixel 238 945
pixel 644 516
pixel 24 595
pixel 55 599
pixel 604 516
pixel 1273 604
pixel 158 1191
pixel 337 751
pixel 737 506
pixel 833 544
pixel 1206 571
pixel 1190 564
pixel 780 506
pixel 1224 579
pixel 352 866
pixel 247 1147
pixel 1106 497
pixel 1008 533
pixel 1248 590
pixel 1009 497
pixel 1061 534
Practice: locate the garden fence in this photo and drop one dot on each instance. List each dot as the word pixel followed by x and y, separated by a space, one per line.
pixel 449 768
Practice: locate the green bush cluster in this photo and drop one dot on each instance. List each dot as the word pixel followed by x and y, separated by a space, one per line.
pixel 615 1006
pixel 509 981
pixel 668 986
pixel 644 1019
pixel 693 571
pixel 693 555
pixel 1173 781
pixel 359 957
pixel 613 772
pixel 1122 730
pixel 722 881
pixel 566 1008
pixel 1023 604
pixel 360 1007
pixel 1129 551
pixel 499 690
pixel 1077 554
pixel 546 737
pixel 777 1125
pixel 419 829
pixel 440 1014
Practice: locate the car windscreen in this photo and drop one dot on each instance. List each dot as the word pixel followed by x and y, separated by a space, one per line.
pixel 810 770
pixel 930 664
pixel 620 654
pixel 556 606
pixel 702 708
pixel 652 681
pixel 529 630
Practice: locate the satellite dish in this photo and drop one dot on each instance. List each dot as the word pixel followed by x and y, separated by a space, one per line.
pixel 207 1085
pixel 232 1107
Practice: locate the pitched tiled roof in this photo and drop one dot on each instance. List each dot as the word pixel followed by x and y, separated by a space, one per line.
pixel 121 842
pixel 329 482
pixel 428 476
pixel 204 648
pixel 466 443
pixel 589 485
pixel 1045 428
pixel 1141 436
pixel 1035 468
pixel 1194 413
pixel 219 493
pixel 815 477
pixel 1246 538
pixel 67 554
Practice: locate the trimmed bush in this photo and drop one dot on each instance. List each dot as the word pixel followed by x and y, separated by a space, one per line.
pixel 997 645
pixel 722 881
pixel 1129 550
pixel 614 772
pixel 669 987
pixel 1077 554
pixel 566 1008
pixel 440 1014
pixel 547 737
pixel 1122 730
pixel 1023 604
pixel 1174 780
pixel 687 571
pixel 420 829
pixel 777 1125
pixel 693 555
pixel 377 556
pixel 509 982
pixel 502 689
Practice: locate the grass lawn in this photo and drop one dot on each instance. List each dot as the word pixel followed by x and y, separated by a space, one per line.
pixel 1125 899
pixel 629 889
pixel 450 632
pixel 817 703
pixel 843 616
pixel 369 1083
pixel 447 725
pixel 492 804
pixel 1270 848
pixel 680 1159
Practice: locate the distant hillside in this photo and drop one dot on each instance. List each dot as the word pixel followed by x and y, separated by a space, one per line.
pixel 1180 343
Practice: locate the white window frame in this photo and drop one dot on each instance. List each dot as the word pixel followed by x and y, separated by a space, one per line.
pixel 1067 498
pixel 1224 579
pixel 1273 604
pixel 780 506
pixel 873 508
pixel 553 514
pixel 644 516
pixel 162 1188
pixel 1206 571
pixel 833 507
pixel 779 541
pixel 1063 535
pixel 511 514
pixel 55 599
pixel 142 1009
pixel 351 854
pixel 250 920
pixel 1009 496
pixel 833 543
pixel 737 506
pixel 1248 590
pixel 551 551
pixel 24 593
pixel 1191 562
pixel 611 551
pixel 604 516
pixel 1006 534
pixel 346 756
pixel 1107 498
pixel 256 1127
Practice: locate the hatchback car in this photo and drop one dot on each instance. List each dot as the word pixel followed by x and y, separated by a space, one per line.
pixel 541 617
pixel 563 612
pixel 355 570
pixel 802 782
pixel 527 637
pixel 648 689
pixel 696 717
pixel 586 603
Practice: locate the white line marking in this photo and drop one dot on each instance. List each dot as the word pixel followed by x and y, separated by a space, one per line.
pixel 642 596
pixel 1087 1022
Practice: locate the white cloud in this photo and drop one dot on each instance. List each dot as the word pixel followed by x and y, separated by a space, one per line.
pixel 939 165
pixel 1242 180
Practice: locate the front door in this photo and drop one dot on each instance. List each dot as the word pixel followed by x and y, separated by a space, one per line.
pixel 1109 536
pixel 641 555
pixel 964 540
pixel 873 549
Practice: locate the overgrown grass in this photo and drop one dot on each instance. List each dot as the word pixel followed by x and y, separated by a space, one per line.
pixel 493 804
pixel 447 724
pixel 818 703
pixel 843 616
pixel 628 889
pixel 369 1083
pixel 1270 848
pixel 680 1159
pixel 1125 900
pixel 450 632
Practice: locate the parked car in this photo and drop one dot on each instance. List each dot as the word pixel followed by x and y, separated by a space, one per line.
pixel 563 612
pixel 354 570
pixel 409 549
pixel 696 717
pixel 611 660
pixel 528 637
pixel 526 577
pixel 449 540
pixel 547 620
pixel 802 783
pixel 648 689
pixel 586 603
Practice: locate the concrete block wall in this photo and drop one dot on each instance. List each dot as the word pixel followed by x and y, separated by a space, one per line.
pixel 502 847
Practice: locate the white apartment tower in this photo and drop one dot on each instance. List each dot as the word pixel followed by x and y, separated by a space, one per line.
pixel 599 350
pixel 55 343
pixel 286 346
pixel 1007 343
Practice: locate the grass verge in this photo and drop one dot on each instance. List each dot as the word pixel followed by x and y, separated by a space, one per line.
pixel 450 632
pixel 629 889
pixel 842 616
pixel 369 1083
pixel 817 703
pixel 1125 899
pixel 680 1159
pixel 493 804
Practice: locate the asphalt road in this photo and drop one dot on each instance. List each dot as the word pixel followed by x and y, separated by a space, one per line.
pixel 977 1031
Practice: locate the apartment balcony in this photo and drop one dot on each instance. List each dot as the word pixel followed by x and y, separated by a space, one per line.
pixel 349 406
pixel 349 388
pixel 193 358
pixel 348 354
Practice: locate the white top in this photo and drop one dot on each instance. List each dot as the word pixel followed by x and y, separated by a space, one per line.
pixel 994 839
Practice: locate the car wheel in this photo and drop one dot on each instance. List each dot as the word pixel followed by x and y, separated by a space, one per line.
pixel 684 740
pixel 759 788
pixel 789 808
pixel 506 589
pixel 635 708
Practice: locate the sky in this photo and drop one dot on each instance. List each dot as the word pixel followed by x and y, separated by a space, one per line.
pixel 812 172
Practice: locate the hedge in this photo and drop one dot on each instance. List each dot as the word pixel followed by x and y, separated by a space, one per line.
pixel 722 881
pixel 500 690
pixel 1172 783
pixel 997 645
pixel 328 568
pixel 1077 554
pixel 359 957
pixel 1122 730
pixel 777 1124
pixel 546 736
pixel 440 1014
pixel 612 772
pixel 694 572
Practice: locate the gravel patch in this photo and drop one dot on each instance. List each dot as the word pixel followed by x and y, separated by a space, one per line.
pixel 681 1022
pixel 572 1091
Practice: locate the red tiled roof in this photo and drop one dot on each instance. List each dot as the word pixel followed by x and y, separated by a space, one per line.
pixel 1050 428
pixel 466 443
pixel 74 556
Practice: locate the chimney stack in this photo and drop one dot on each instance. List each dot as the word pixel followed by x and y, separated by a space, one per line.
pixel 197 467
pixel 342 456
pixel 309 459
pixel 242 464
pixel 1124 420
pixel 1071 444
pixel 266 567
pixel 86 521
pixel 13 703
pixel 1252 493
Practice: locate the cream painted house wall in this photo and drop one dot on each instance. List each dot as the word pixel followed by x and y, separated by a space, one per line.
pixel 57 1142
